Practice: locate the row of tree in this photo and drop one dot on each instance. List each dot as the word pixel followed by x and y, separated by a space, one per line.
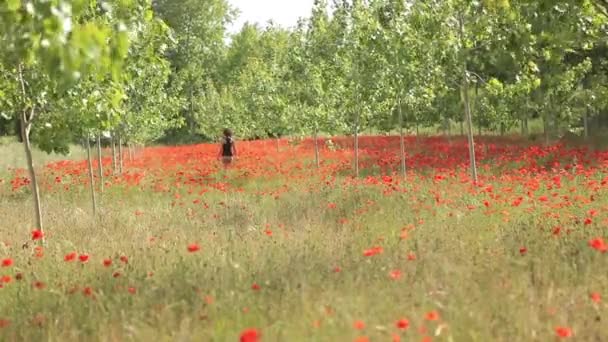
pixel 148 70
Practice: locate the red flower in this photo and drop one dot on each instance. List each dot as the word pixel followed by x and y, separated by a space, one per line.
pixel 250 335
pixel 70 257
pixel 132 290
pixel 411 256
pixel 598 244
pixel 337 269
pixel 396 274
pixel 563 332
pixel 39 285
pixel 373 251
pixel 87 291
pixel 83 258
pixel 432 316
pixel 8 262
pixel 268 232
pixel 107 262
pixel 588 221
pixel 124 259
pixel 403 324
pixel 362 339
pixel 193 247
pixel 6 279
pixel 596 297
pixel 523 250
pixel 359 325
pixel 37 234
pixel 255 287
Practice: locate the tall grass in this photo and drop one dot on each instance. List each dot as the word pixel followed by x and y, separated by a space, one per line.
pixel 491 274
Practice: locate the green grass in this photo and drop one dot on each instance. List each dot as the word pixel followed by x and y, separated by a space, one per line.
pixel 468 267
pixel 13 155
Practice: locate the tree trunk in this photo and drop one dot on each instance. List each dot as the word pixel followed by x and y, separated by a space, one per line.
pixel 546 129
pixel 113 143
pixel 317 160
pixel 586 123
pixel 91 177
pixel 401 140
pixel 357 147
pixel 467 110
pixel 26 126
pixel 99 163
pixel 120 154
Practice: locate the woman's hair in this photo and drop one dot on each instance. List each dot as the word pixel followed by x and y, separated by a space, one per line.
pixel 227 132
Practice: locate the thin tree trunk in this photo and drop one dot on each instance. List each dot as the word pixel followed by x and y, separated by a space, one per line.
pixel 26 126
pixel 357 146
pixel 546 129
pixel 113 143
pixel 317 160
pixel 467 110
pixel 586 123
pixel 91 177
pixel 401 139
pixel 99 163
pixel 120 154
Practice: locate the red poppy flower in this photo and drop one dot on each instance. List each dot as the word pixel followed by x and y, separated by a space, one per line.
pixel 83 258
pixel 255 287
pixel 396 274
pixel 37 234
pixel 403 324
pixel 373 251
pixel 599 245
pixel 70 256
pixel 250 335
pixel 193 247
pixel 432 316
pixel 124 259
pixel 107 262
pixel 596 297
pixel 8 262
pixel 359 325
pixel 563 332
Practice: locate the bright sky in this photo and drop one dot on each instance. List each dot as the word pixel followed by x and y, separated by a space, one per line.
pixel 283 12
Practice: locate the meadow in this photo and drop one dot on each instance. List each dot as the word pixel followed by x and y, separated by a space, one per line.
pixel 276 249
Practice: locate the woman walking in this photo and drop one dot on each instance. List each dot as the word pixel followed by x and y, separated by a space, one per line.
pixel 227 151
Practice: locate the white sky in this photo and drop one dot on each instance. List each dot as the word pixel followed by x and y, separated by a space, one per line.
pixel 283 12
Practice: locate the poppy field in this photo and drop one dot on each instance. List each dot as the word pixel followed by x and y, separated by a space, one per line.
pixel 275 249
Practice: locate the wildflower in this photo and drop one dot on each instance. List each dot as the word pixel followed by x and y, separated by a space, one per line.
pixel 107 262
pixel 373 251
pixel 599 245
pixel 124 259
pixel 396 274
pixel 132 290
pixel 39 285
pixel 523 250
pixel 359 325
pixel 193 247
pixel 8 262
pixel 563 332
pixel 250 335
pixel 83 258
pixel 6 279
pixel 432 316
pixel 596 297
pixel 70 257
pixel 403 324
pixel 37 234
pixel 255 287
